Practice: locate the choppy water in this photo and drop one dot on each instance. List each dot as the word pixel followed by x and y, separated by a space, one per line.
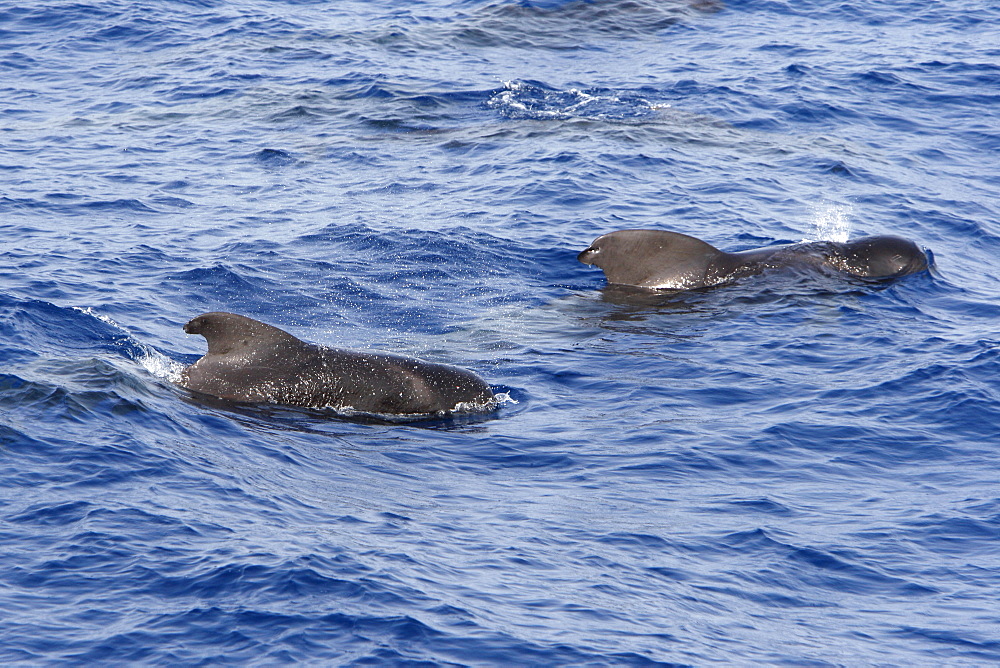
pixel 792 470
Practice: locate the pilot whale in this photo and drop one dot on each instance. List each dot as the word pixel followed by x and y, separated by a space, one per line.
pixel 252 361
pixel 659 259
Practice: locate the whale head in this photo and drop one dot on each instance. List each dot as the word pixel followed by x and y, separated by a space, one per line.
pixel 881 257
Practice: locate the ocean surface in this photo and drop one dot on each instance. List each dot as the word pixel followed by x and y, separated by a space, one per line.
pixel 796 469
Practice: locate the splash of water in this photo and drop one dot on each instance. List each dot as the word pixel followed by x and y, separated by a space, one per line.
pixel 831 222
pixel 149 358
pixel 504 398
pixel 521 100
pixel 159 364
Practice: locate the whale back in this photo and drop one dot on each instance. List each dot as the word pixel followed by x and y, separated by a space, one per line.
pixel 252 361
pixel 660 259
pixel 656 259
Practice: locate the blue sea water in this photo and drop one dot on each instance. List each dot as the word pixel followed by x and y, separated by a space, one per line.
pixel 792 470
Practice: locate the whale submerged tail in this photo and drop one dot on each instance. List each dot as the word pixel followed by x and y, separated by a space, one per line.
pixel 655 259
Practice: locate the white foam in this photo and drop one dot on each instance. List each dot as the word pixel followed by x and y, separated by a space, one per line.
pixel 562 105
pixel 150 359
pixel 502 398
pixel 159 365
pixel 103 318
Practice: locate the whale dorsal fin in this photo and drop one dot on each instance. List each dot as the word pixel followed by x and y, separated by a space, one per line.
pixel 229 333
pixel 654 259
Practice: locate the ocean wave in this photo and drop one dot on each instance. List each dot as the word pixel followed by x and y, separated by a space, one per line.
pixel 779 471
pixel 558 26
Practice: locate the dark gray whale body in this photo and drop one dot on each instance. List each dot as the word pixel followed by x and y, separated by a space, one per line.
pixel 252 361
pixel 659 259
